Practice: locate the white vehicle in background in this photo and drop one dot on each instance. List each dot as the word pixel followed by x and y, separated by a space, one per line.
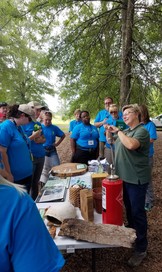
pixel 157 121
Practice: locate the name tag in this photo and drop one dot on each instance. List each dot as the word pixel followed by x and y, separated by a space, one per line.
pixel 90 142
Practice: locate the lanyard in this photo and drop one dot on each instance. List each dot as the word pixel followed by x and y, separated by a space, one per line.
pixel 22 134
pixel 89 128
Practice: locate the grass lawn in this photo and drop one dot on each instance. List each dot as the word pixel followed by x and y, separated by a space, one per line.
pixel 63 125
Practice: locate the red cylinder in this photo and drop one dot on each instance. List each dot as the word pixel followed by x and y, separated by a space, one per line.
pixel 112 201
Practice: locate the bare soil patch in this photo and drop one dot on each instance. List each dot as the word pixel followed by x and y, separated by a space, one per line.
pixel 115 259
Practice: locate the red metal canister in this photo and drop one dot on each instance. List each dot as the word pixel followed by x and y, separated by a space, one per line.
pixel 112 201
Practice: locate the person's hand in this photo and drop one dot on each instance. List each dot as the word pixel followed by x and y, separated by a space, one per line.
pixel 112 129
pixel 106 126
pixel 40 139
pixel 104 121
pixel 37 133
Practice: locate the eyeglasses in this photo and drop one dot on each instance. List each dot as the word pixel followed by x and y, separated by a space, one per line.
pixel 113 112
pixel 107 103
pixel 127 113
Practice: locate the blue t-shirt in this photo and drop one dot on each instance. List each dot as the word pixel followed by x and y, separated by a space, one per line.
pixel 50 133
pixel 18 150
pixel 25 244
pixel 86 136
pixel 101 115
pixel 36 149
pixel 99 118
pixel 151 128
pixel 74 123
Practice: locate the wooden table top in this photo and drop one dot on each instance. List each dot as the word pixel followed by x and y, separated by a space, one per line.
pixel 69 169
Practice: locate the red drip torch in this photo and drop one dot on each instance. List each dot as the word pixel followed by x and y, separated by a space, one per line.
pixel 112 196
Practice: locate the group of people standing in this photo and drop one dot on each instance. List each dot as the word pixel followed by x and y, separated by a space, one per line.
pixel 131 134
pixel 27 146
pixel 28 150
pixel 89 141
pixel 26 244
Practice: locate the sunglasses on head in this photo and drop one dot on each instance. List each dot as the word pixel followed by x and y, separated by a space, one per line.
pixel 48 113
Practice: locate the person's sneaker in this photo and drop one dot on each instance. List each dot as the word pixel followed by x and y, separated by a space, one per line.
pixel 148 207
pixel 137 258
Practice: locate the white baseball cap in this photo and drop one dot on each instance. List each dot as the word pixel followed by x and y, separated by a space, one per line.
pixel 35 104
pixel 25 108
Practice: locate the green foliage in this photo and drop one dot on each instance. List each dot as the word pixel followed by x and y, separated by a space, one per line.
pixel 86 49
pixel 155 102
pixel 89 53
pixel 89 67
pixel 24 74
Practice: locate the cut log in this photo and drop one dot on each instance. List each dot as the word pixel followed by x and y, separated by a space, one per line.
pixel 98 233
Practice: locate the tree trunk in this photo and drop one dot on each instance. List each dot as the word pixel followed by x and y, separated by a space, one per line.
pixel 126 60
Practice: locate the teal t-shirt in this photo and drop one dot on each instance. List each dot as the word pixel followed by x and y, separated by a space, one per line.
pixel 133 165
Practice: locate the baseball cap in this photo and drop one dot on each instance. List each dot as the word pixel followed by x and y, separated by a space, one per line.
pixel 3 104
pixel 25 108
pixel 35 104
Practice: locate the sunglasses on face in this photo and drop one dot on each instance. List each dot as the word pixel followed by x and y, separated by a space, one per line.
pixel 113 112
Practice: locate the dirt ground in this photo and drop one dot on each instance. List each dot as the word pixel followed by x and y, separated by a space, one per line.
pixel 115 259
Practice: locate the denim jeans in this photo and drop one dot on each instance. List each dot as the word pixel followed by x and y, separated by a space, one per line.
pixel 134 201
pixel 150 190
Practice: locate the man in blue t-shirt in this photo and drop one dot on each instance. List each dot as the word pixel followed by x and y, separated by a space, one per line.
pixel 99 121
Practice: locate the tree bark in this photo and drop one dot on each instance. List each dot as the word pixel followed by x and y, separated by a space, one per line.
pixel 126 60
pixel 98 233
